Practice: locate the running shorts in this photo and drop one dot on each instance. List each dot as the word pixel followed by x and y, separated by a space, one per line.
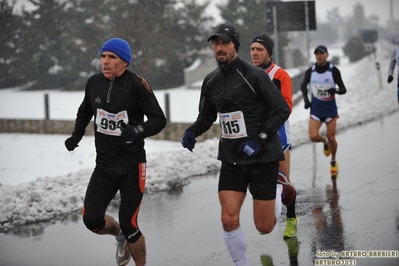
pixel 260 177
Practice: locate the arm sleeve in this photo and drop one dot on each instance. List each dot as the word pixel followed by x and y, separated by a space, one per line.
pixel 279 109
pixel 392 63
pixel 286 86
pixel 156 119
pixel 304 84
pixel 83 116
pixel 338 80
pixel 207 112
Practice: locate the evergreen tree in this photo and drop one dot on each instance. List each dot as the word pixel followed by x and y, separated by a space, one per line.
pixel 10 33
pixel 45 45
pixel 58 41
pixel 186 36
pixel 164 35
pixel 249 17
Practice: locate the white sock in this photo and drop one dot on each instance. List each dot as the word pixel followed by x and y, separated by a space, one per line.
pixel 120 237
pixel 237 246
pixel 277 207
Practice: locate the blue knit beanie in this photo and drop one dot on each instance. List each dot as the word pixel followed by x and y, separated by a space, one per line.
pixel 119 47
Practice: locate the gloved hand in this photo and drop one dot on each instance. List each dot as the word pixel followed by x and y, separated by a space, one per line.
pixel 131 133
pixel 188 140
pixel 307 104
pixel 72 142
pixel 250 147
pixel 339 91
pixel 390 78
pixel 332 91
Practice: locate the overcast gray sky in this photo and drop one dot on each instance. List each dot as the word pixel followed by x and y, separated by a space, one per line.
pixel 345 7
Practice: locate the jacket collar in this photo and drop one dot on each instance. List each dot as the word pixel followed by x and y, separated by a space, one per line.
pixel 120 77
pixel 230 67
pixel 268 65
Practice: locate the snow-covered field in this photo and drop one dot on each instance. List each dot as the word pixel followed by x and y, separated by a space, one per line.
pixel 40 180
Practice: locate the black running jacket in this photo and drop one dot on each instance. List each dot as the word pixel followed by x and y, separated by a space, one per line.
pixel 240 86
pixel 110 101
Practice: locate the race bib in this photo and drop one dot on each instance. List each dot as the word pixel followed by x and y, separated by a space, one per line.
pixel 232 125
pixel 320 91
pixel 109 123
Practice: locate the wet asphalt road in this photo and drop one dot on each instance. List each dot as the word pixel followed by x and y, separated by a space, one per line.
pixel 357 212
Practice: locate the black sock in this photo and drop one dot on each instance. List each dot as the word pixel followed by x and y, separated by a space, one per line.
pixel 291 209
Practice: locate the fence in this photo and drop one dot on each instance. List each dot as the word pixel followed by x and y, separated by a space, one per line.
pixel 177 105
pixel 172 131
pixel 47 125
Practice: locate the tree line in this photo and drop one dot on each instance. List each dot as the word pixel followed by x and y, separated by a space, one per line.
pixel 55 44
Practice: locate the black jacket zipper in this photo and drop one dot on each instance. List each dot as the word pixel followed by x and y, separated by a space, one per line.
pixel 110 90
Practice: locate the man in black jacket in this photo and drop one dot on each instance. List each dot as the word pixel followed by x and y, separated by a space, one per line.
pixel 250 110
pixel 118 99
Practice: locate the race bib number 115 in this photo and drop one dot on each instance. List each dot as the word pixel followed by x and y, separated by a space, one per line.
pixel 232 125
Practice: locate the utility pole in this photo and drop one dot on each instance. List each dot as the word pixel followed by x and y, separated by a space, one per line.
pixel 307 30
pixel 277 59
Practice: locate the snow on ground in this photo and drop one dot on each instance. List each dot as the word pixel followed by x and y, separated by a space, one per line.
pixel 40 180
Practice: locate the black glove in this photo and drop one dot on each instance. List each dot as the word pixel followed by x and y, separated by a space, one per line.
pixel 188 140
pixel 341 91
pixel 332 91
pixel 72 142
pixel 307 104
pixel 131 133
pixel 390 78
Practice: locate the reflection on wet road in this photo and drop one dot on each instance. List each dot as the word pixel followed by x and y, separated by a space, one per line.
pixel 328 223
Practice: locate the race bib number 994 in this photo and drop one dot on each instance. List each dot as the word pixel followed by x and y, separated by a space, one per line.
pixel 232 125
pixel 109 123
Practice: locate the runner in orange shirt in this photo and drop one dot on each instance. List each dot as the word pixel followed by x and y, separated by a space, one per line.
pixel 261 52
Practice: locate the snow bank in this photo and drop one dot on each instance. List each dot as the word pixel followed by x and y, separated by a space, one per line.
pixel 170 167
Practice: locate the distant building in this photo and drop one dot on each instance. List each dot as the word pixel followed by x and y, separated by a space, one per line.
pixel 195 74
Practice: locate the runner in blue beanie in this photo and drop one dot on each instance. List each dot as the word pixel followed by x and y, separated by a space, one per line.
pixel 118 46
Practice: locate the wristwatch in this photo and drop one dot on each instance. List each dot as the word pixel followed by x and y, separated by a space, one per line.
pixel 263 135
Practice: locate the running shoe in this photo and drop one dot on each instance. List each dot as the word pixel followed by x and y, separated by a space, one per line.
pixel 122 253
pixel 291 229
pixel 289 192
pixel 326 149
pixel 266 260
pixel 334 168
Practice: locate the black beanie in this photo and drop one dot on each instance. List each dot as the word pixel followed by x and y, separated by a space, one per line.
pixel 227 32
pixel 266 42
